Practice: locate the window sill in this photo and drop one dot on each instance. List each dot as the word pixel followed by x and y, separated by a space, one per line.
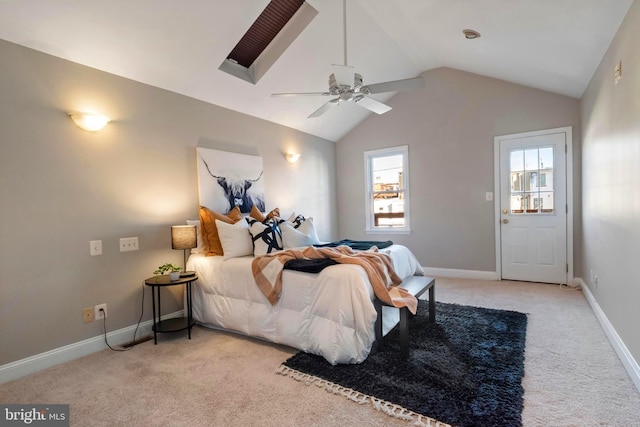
pixel 388 231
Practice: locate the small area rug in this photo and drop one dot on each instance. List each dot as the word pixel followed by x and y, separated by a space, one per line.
pixel 465 370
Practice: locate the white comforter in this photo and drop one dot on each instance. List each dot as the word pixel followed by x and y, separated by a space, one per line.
pixel 330 314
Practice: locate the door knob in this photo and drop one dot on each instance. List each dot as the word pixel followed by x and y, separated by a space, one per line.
pixel 505 211
pixel 505 221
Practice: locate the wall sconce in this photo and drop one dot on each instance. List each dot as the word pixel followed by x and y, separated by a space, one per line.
pixel 292 157
pixel 90 122
pixel 184 237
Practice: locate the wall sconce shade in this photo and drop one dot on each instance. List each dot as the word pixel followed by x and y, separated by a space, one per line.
pixel 90 122
pixel 292 157
pixel 183 237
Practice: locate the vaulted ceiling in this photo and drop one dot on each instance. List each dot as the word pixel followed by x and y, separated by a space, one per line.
pixel 554 45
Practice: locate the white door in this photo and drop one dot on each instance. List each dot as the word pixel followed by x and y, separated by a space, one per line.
pixel 533 206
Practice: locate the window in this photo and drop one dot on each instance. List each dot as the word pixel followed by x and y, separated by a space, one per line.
pixel 387 190
pixel 532 181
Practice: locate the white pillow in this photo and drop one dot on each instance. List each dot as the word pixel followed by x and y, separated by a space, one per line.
pixel 235 239
pixel 307 227
pixel 292 217
pixel 304 235
pixel 200 243
pixel 266 236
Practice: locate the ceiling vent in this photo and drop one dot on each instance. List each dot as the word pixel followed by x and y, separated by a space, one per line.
pixel 279 24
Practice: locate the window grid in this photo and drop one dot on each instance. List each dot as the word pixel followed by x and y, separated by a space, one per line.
pixel 531 189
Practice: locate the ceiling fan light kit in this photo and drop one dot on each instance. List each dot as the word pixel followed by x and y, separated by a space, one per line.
pixel 347 86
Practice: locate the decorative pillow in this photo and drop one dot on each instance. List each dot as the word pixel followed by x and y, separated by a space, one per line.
pixel 296 219
pixel 200 247
pixel 256 214
pixel 235 239
pixel 265 235
pixel 209 230
pixel 292 217
pixel 302 235
pixel 306 226
pixel 275 213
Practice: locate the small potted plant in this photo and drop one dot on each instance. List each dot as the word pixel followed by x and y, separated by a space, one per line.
pixel 174 271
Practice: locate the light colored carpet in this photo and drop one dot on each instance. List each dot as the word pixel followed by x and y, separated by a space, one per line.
pixel 572 375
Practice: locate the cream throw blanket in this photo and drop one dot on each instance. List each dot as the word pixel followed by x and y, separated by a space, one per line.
pixel 267 272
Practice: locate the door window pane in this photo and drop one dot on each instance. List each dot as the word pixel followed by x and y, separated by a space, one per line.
pixel 531 159
pixel 532 180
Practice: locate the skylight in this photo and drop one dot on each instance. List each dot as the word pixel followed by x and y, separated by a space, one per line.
pixel 269 36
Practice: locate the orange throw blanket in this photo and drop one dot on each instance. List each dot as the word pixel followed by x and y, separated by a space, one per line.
pixel 267 272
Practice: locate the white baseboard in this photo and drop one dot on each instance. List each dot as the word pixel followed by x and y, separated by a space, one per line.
pixel 630 364
pixel 14 370
pixel 460 274
pixel 30 365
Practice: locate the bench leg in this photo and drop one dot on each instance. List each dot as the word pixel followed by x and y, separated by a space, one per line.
pixel 378 325
pixel 404 333
pixel 432 304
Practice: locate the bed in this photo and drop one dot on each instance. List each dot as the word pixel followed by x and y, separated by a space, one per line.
pixel 330 313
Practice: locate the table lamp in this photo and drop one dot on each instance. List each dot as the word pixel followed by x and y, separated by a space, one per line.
pixel 184 237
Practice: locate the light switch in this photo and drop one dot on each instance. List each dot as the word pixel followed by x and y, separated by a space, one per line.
pixel 95 247
pixel 488 196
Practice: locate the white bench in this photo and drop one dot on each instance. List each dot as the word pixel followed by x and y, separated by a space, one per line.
pixel 416 286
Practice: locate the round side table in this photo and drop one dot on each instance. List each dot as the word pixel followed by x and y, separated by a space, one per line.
pixel 177 323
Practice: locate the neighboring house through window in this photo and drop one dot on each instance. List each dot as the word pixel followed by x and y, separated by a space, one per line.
pixel 387 190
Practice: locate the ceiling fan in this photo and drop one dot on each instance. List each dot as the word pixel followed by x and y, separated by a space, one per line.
pixel 347 86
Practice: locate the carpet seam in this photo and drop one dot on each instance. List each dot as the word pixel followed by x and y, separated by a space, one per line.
pixel 389 408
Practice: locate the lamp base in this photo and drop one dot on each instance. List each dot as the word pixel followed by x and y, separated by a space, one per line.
pixel 187 273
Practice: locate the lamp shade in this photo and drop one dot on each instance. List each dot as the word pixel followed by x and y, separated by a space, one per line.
pixel 183 236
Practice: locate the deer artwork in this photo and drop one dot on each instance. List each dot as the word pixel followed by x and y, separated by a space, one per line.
pixel 236 191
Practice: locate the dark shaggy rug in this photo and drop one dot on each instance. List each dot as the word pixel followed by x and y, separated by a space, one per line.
pixel 465 369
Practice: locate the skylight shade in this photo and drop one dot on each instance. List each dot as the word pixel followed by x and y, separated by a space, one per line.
pixel 272 19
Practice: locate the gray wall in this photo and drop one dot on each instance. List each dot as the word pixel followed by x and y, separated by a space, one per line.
pixel 611 183
pixel 449 127
pixel 61 187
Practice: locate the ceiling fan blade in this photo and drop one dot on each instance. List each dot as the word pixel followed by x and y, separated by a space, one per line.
pixel 371 104
pixel 325 107
pixel 344 74
pixel 288 95
pixel 394 86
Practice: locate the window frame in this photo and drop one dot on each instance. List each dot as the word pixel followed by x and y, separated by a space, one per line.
pixel 369 155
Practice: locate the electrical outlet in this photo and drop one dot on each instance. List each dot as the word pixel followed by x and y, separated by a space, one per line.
pixel 128 244
pixel 99 314
pixel 87 315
